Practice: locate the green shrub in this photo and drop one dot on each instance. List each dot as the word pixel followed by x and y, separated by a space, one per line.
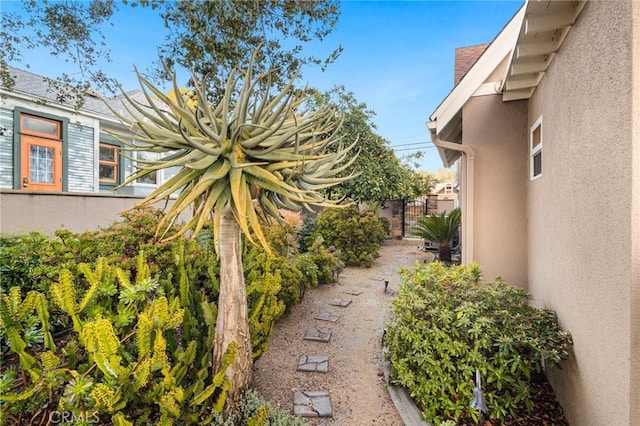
pixel 386 226
pixel 254 411
pixel 309 269
pixel 34 261
pixel 358 235
pixel 257 262
pixel 127 354
pixel 306 233
pixel 447 326
pixel 283 236
pixel 329 263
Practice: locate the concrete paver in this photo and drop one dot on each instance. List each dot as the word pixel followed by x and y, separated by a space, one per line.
pixel 343 303
pixel 328 316
pixel 318 334
pixel 312 404
pixel 314 363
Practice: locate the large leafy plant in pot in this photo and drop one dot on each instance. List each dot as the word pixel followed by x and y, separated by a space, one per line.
pixel 240 162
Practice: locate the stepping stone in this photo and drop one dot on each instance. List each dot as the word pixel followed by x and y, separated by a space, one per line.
pixel 314 363
pixel 312 404
pixel 318 334
pixel 353 292
pixel 327 316
pixel 340 302
pixel 364 285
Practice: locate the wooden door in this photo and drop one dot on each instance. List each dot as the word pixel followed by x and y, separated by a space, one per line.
pixel 41 164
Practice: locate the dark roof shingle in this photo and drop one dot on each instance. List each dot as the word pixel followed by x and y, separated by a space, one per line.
pixel 465 58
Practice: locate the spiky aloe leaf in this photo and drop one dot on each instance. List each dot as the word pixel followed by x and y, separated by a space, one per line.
pixel 249 147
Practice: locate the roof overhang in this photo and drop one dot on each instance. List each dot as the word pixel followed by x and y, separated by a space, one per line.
pixel 544 28
pixel 529 42
pixel 446 120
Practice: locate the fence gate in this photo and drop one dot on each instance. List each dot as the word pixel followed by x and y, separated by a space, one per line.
pixel 416 209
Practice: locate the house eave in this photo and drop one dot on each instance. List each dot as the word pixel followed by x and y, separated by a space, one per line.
pixel 542 32
pixel 446 120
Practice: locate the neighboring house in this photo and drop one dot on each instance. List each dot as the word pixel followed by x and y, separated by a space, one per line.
pixel 446 196
pixel 546 124
pixel 63 159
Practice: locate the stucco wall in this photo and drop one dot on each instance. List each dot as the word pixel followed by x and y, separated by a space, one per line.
pixel 580 212
pixel 634 377
pixel 496 131
pixel 22 212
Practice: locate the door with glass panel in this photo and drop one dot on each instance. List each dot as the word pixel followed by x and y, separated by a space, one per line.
pixel 40 154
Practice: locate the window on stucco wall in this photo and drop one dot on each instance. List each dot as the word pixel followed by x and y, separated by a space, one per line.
pixel 535 149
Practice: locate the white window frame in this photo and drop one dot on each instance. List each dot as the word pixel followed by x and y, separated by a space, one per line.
pixel 158 172
pixel 448 189
pixel 535 151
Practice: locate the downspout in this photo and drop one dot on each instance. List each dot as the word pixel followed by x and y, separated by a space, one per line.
pixel 467 205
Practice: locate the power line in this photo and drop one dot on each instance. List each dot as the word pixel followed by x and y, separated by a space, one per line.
pixel 411 144
pixel 412 149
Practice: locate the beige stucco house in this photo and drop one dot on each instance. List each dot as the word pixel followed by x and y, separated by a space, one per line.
pixel 546 125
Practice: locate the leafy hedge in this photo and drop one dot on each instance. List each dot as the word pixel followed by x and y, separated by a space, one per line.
pixel 34 261
pixel 357 235
pixel 116 326
pixel 54 288
pixel 447 326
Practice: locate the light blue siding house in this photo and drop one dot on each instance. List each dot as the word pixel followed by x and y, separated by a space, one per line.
pixel 50 149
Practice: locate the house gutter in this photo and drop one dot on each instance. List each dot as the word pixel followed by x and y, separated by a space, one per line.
pixel 467 205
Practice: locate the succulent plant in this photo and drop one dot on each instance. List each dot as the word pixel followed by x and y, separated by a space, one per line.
pixel 253 152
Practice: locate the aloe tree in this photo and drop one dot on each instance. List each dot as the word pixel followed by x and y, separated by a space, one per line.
pixel 240 162
pixel 439 229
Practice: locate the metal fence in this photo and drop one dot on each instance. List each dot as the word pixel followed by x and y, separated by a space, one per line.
pixel 416 209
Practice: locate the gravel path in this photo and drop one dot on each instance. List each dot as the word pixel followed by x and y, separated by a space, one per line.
pixel 355 382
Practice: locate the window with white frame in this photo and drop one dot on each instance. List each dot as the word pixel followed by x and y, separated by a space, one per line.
pixel 110 162
pixel 535 149
pixel 152 178
pixel 448 189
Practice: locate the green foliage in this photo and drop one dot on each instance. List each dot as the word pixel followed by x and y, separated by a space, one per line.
pixel 386 225
pixel 209 37
pixel 309 270
pixel 283 236
pixel 265 291
pixel 358 235
pixel 328 261
pixel 447 326
pixel 439 229
pixel 128 357
pixel 34 261
pixel 382 175
pixel 306 233
pixel 254 411
pixel 258 263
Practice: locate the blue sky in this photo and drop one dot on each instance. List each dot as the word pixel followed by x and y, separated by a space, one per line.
pixel 398 57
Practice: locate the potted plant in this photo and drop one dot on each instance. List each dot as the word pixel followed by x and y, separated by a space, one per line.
pixel 439 229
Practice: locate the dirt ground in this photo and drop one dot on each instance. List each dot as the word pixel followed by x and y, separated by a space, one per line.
pixel 355 381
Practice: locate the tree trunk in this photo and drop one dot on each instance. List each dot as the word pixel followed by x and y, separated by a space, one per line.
pixel 232 323
pixel 445 253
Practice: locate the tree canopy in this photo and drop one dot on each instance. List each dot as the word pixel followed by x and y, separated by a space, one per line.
pixel 383 176
pixel 208 37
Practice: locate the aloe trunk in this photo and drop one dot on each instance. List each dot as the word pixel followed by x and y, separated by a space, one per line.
pixel 232 324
